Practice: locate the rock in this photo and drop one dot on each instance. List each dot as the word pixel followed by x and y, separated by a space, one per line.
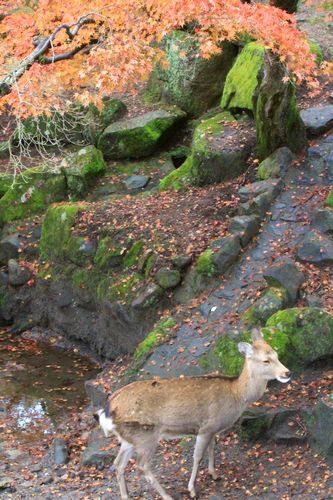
pixel 96 393
pixel 314 301
pixel 317 120
pixel 309 333
pixel 149 297
pixel 108 254
pixel 31 193
pixel 182 261
pixel 276 165
pixel 136 181
pixel 168 278
pixel 272 301
pixel 243 78
pixel 81 169
pixel 64 298
pixel 316 248
pixel 139 136
pixel 323 149
pixel 7 483
pixel 245 226
pixel 256 206
pixel 277 116
pixel 271 187
pixel 321 220
pixel 9 248
pixel 17 275
pixel 98 450
pixel 191 82
pixel 98 120
pixel 225 252
pixel 280 425
pixel 88 248
pixel 321 426
pixel 284 273
pixel 60 451
pixel 4 279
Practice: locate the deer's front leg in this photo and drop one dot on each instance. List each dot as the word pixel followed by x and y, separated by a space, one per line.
pixel 200 448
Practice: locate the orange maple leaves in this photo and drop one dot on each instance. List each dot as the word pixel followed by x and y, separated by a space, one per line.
pixel 117 44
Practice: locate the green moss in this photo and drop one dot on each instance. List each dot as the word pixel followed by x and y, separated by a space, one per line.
pixel 329 200
pixel 31 193
pixel 81 278
pixel 57 243
pixel 150 263
pixel 123 287
pixel 316 50
pixel 157 336
pixel 81 169
pixel 208 128
pixel 310 331
pixel 133 254
pixel 242 79
pixel 179 178
pixel 270 302
pixel 6 182
pixel 205 265
pixel 168 278
pixel 108 254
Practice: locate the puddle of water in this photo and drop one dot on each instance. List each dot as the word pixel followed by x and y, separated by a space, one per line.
pixel 39 384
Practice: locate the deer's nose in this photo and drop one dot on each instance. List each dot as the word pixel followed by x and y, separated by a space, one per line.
pixel 288 374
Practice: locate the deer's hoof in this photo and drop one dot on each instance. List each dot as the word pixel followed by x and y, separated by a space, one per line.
pixel 214 476
pixel 192 493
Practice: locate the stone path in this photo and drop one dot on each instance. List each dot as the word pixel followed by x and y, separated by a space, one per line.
pixel 287 222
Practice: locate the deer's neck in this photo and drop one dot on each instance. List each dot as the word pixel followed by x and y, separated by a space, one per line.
pixel 250 387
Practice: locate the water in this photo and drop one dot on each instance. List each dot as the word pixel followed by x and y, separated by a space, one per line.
pixel 39 385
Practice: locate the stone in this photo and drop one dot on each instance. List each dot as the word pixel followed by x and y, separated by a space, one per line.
pixel 256 206
pixel 60 452
pixel 4 279
pixel 81 169
pixel 271 187
pixel 96 393
pixel 225 252
pixel 317 120
pixel 149 297
pixel 272 301
pixel 7 483
pixel 243 78
pixel 284 273
pixel 245 226
pixel 88 248
pixel 136 182
pixel 278 121
pixel 309 331
pixel 98 451
pixel 321 220
pixel 320 426
pixel 31 193
pixel 190 81
pixel 314 301
pixel 9 248
pixel 182 261
pixel 98 120
pixel 139 136
pixel 276 165
pixel 168 278
pixel 316 248
pixel 17 275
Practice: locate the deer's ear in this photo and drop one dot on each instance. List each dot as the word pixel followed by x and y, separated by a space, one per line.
pixel 245 349
pixel 256 334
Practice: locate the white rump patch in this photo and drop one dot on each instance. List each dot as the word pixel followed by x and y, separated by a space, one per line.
pixel 105 422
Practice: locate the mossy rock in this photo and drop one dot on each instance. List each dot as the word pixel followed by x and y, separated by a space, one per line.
pixel 6 181
pixel 122 288
pixel 158 335
pixel 273 300
pixel 204 264
pixel 58 243
pixel 276 165
pixel 168 278
pixel 310 332
pixel 139 136
pixel 82 169
pixel 132 256
pixel 112 110
pixel 31 193
pixel 108 254
pixel 329 200
pixel 188 80
pixel 179 178
pixel 243 78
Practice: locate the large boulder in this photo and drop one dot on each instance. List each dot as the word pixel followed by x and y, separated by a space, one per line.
pixel 275 165
pixel 277 116
pixel 82 169
pixel 320 426
pixel 189 80
pixel 285 274
pixel 243 78
pixel 31 193
pixel 316 248
pixel 139 136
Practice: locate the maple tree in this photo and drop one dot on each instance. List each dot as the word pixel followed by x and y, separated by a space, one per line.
pixel 52 50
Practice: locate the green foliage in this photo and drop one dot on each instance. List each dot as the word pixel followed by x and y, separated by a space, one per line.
pixel 132 255
pixel 205 265
pixel 329 200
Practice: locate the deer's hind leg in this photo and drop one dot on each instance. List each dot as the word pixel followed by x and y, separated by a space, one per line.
pixel 145 450
pixel 124 455
pixel 211 458
pixel 201 444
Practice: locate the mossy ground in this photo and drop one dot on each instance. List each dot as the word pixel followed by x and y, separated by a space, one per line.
pixel 159 334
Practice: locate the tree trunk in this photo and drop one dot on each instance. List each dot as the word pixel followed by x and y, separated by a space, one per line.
pixel 289 6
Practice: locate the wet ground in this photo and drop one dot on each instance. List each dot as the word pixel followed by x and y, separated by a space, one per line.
pixel 39 385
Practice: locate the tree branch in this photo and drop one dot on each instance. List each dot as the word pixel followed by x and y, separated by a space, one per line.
pixel 42 46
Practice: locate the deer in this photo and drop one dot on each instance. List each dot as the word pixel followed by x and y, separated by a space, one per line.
pixel 142 413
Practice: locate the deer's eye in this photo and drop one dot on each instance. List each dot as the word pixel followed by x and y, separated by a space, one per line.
pixel 266 361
